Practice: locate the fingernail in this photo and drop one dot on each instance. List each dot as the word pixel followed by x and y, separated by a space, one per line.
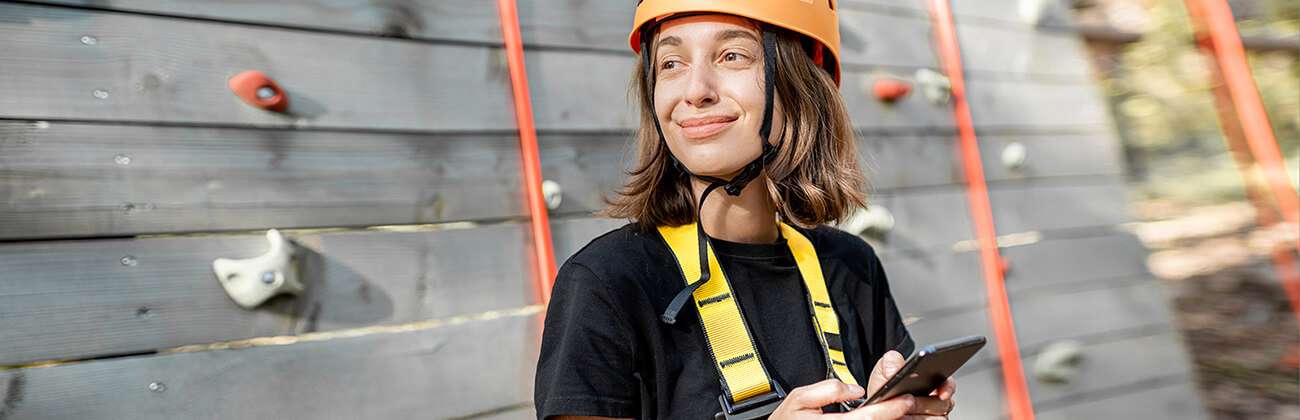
pixel 890 369
pixel 911 401
pixel 856 389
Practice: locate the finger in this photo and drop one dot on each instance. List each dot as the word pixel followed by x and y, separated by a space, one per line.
pixel 823 393
pixel 922 417
pixel 893 408
pixel 931 406
pixel 885 368
pixel 946 390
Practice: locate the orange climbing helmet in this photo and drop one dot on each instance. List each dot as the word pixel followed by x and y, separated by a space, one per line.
pixel 815 19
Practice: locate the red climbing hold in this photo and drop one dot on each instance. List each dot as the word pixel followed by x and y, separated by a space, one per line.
pixel 890 90
pixel 258 90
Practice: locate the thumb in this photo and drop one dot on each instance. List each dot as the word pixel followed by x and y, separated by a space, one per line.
pixel 823 393
pixel 886 367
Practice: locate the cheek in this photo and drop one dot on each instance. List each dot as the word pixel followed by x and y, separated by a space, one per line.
pixel 666 98
pixel 746 89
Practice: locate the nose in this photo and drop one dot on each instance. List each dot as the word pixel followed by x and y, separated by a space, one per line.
pixel 701 89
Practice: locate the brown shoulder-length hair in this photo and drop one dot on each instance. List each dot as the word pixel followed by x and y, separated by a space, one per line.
pixel 814 178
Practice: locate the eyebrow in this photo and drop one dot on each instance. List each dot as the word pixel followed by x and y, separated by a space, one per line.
pixel 724 36
pixel 736 33
pixel 668 40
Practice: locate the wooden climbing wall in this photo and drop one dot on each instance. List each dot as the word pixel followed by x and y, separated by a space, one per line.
pixel 126 166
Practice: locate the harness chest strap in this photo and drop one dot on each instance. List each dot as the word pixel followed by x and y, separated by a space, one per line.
pixel 730 342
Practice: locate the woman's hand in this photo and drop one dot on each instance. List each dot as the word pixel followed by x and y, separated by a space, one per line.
pixel 936 406
pixel 806 402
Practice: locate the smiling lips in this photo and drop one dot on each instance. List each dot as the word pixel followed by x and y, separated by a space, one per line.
pixel 700 128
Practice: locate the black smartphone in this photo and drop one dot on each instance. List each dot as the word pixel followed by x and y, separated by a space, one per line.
pixel 926 369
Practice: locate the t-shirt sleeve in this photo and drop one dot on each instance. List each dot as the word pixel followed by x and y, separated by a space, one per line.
pixel 893 334
pixel 587 361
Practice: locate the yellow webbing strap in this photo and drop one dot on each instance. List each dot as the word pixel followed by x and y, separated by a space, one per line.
pixel 734 354
pixel 743 374
pixel 827 324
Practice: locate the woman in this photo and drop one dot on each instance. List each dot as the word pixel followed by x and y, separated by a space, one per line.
pixel 739 96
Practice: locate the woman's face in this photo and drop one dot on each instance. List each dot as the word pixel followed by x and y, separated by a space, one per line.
pixel 709 92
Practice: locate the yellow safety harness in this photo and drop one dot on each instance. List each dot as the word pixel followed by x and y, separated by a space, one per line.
pixel 747 389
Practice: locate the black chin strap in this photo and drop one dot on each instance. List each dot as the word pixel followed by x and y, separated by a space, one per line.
pixel 733 186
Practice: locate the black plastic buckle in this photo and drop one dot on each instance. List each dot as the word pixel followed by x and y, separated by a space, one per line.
pixel 756 407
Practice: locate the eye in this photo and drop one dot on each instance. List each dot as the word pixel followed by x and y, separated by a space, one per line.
pixel 736 58
pixel 669 65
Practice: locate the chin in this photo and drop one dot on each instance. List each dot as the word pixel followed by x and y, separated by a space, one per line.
pixel 721 165
pixel 717 158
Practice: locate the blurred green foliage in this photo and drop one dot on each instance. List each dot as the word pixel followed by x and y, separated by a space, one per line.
pixel 1160 92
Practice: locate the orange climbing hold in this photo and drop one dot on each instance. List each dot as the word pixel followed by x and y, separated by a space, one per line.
pixel 890 90
pixel 257 89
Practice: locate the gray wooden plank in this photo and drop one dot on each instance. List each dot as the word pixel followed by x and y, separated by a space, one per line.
pixel 1042 318
pixel 447 371
pixel 924 219
pixel 67 179
pixel 911 113
pixel 999 104
pixel 1176 400
pixel 1110 369
pixel 333 80
pixel 554 23
pixel 869 37
pixel 1057 262
pixel 1042 204
pixel 76 179
pixel 1049 155
pixel 1111 364
pixel 1029 15
pixel 75 299
pixel 890 160
pixel 569 235
pixel 1016 50
pixel 926 282
pixel 1104 320
pixel 1006 102
pixel 928 218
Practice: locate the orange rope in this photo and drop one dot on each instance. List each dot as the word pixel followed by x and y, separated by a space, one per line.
pixel 1215 24
pixel 1017 391
pixel 543 254
pixel 1247 130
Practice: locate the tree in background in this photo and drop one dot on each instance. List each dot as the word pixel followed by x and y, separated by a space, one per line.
pixel 1160 86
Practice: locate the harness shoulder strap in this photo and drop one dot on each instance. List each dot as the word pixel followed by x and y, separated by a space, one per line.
pixel 742 371
pixel 734 353
pixel 824 318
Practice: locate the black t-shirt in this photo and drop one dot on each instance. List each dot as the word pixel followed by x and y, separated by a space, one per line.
pixel 606 353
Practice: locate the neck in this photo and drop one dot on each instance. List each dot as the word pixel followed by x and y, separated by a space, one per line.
pixel 747 218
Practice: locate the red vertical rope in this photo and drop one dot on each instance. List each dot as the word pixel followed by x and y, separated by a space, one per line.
pixel 1247 130
pixel 1017 391
pixel 1215 22
pixel 543 255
